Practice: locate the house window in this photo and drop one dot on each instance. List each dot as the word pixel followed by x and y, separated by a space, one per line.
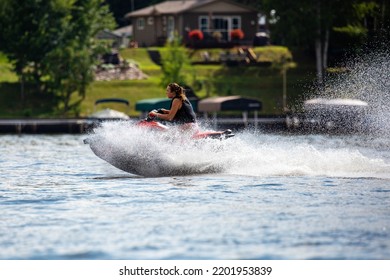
pixel 236 23
pixel 204 23
pixel 140 23
pixel 150 20
pixel 222 24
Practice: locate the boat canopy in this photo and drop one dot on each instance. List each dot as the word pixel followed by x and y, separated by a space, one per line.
pixel 116 100
pixel 147 105
pixel 229 103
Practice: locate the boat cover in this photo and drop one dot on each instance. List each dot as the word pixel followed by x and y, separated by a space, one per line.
pixel 229 103
pixel 147 105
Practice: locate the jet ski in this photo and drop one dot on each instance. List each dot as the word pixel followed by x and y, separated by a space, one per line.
pixel 137 148
pixel 152 124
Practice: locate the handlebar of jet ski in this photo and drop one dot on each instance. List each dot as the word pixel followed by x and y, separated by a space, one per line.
pixel 159 111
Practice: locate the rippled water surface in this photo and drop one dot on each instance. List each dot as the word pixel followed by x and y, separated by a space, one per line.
pixel 276 197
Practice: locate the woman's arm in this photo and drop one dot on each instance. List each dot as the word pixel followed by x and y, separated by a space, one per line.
pixel 164 111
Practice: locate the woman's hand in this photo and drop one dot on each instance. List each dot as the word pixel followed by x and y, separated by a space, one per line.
pixel 152 114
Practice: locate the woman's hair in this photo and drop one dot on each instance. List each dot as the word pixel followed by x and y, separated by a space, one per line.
pixel 178 91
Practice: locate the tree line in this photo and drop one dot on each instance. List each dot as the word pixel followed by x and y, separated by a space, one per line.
pixel 52 44
pixel 323 25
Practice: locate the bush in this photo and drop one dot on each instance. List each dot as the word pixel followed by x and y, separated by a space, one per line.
pixel 173 60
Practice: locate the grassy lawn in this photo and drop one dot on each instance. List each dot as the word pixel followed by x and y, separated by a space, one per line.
pixel 262 83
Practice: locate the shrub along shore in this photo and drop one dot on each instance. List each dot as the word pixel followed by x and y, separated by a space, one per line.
pixel 208 76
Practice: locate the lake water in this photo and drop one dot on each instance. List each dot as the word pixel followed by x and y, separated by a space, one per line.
pixel 277 197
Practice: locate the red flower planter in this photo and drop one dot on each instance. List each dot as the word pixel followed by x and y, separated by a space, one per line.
pixel 196 35
pixel 237 34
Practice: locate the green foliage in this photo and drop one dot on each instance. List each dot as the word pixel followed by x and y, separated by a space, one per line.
pixel 352 30
pixel 365 9
pixel 292 23
pixel 51 43
pixel 173 60
pixel 273 54
pixel 296 24
pixel 6 72
pixel 355 27
pixel 216 80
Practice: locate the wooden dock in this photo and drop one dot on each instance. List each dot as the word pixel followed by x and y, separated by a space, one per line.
pixel 82 125
pixel 40 126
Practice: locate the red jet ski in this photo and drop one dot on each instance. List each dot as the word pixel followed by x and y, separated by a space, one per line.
pixel 155 125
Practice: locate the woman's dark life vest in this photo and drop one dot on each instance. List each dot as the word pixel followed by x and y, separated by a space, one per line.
pixel 185 114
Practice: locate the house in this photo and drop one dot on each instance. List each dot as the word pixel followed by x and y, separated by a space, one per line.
pixel 153 25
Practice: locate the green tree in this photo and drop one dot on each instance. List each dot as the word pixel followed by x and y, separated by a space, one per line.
pixel 173 60
pixel 52 43
pixel 317 24
pixel 368 24
pixel 305 24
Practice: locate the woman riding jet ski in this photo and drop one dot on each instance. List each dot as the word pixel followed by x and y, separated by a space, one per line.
pixel 125 155
pixel 181 111
pixel 182 114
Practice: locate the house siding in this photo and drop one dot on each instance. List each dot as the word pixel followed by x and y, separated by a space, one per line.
pixel 157 33
pixel 248 22
pixel 145 36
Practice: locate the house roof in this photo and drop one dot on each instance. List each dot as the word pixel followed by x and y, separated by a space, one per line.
pixel 107 34
pixel 177 7
pixel 124 31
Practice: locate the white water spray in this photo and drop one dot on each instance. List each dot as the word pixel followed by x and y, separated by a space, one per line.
pixel 149 153
pixel 367 78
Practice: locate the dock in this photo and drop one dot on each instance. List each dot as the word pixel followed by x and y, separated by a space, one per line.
pixel 44 126
pixel 82 125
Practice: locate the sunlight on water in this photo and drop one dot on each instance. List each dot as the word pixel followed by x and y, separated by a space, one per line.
pixel 272 200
